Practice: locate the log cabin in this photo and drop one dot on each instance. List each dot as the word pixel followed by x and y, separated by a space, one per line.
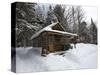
pixel 52 38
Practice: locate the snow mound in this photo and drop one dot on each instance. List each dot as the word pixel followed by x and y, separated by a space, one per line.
pixel 57 62
pixel 30 60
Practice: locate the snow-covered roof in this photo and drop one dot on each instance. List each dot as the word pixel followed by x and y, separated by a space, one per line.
pixel 49 28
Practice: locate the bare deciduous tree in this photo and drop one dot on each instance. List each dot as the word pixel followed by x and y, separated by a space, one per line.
pixel 80 17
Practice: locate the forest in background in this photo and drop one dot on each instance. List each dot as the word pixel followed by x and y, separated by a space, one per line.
pixel 31 17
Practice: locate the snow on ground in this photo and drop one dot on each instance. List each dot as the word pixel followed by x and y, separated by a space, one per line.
pixel 29 59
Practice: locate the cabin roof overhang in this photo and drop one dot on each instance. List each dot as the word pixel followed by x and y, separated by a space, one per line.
pixel 49 29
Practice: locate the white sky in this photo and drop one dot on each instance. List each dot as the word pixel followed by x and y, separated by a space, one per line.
pixel 90 12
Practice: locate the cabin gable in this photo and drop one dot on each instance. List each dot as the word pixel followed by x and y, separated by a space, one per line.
pixel 58 27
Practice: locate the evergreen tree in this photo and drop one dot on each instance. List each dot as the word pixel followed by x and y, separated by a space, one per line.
pixel 84 32
pixel 59 12
pixel 25 17
pixel 51 17
pixel 93 32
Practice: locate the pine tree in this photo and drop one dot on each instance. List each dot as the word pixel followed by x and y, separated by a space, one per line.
pixel 84 32
pixel 51 17
pixel 93 32
pixel 25 17
pixel 59 12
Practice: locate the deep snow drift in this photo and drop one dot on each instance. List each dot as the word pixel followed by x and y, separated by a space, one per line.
pixel 83 56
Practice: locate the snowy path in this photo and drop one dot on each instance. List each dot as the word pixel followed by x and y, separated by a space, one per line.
pixel 83 56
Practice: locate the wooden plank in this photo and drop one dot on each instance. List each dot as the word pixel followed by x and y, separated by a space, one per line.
pixel 56 47
pixel 51 48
